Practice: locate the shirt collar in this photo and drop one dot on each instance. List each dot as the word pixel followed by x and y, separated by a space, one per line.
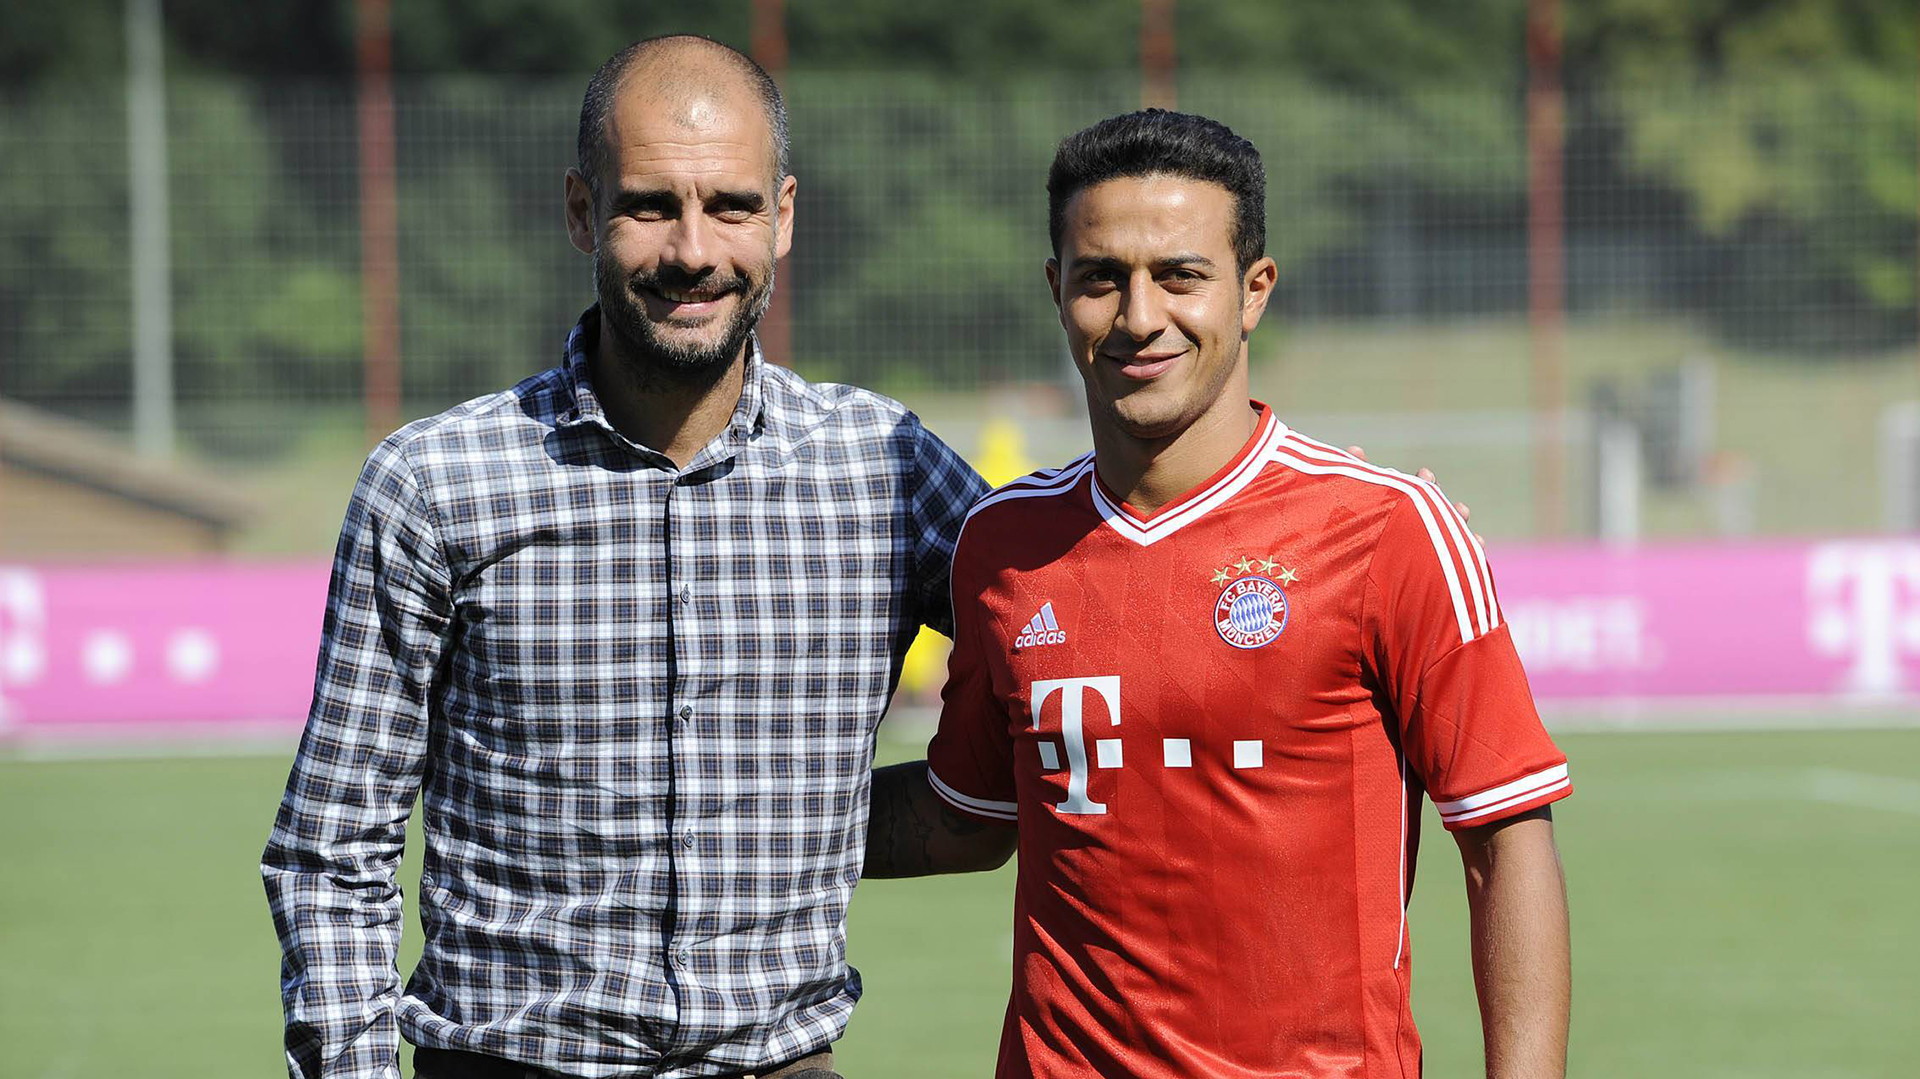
pixel 583 404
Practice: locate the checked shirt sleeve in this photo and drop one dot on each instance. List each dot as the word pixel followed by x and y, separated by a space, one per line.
pixel 330 862
pixel 943 488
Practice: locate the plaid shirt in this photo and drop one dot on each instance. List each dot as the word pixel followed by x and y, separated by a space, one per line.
pixel 640 702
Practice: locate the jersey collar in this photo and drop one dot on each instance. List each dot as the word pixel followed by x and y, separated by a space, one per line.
pixel 1194 504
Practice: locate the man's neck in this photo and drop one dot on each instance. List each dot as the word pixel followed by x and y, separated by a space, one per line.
pixel 1149 473
pixel 673 416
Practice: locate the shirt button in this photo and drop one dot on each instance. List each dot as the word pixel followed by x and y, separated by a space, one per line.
pixel 686 593
pixel 686 712
pixel 687 839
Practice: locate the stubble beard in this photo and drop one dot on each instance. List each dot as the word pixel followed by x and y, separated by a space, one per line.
pixel 651 357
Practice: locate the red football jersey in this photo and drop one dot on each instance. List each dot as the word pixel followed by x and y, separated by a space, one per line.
pixel 1213 726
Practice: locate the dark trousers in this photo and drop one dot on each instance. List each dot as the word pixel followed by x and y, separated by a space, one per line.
pixel 457 1064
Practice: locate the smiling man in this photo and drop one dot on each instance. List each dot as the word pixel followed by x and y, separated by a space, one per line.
pixel 1203 676
pixel 626 629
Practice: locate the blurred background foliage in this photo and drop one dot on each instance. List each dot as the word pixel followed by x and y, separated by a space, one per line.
pixel 1768 144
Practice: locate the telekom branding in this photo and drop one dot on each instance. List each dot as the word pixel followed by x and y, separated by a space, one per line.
pixel 1837 620
pixel 95 648
pixel 1865 608
pixel 171 644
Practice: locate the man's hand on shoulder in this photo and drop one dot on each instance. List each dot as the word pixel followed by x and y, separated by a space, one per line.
pixel 1461 508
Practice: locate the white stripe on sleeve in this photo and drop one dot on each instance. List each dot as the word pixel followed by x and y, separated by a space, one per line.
pixel 982 806
pixel 1461 612
pixel 1494 799
pixel 1487 811
pixel 1477 578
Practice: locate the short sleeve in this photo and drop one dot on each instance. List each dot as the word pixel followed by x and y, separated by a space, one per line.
pixel 943 488
pixel 970 760
pixel 1442 653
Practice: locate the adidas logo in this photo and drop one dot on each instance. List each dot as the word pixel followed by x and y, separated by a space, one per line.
pixel 1042 630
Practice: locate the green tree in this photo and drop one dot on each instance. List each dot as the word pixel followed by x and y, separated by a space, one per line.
pixel 1789 129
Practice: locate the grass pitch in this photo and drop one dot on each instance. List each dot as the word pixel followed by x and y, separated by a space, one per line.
pixel 1742 905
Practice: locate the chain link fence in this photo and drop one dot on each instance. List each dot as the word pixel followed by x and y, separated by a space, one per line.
pixel 1740 289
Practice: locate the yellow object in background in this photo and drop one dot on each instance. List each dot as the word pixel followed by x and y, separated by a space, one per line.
pixel 925 668
pixel 1001 456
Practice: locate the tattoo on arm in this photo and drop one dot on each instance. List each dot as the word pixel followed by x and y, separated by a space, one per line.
pixel 912 833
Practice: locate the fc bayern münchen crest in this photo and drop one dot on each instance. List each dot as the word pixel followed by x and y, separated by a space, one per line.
pixel 1251 612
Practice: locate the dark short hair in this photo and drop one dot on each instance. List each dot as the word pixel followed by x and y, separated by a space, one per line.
pixel 1157 142
pixel 591 144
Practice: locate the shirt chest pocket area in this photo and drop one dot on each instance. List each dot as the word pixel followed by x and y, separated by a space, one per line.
pixel 808 592
pixel 546 634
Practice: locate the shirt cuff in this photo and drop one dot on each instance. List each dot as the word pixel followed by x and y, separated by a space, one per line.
pixel 983 808
pixel 1507 799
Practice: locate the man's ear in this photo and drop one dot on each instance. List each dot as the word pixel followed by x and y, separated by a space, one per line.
pixel 1256 288
pixel 1053 280
pixel 579 210
pixel 783 208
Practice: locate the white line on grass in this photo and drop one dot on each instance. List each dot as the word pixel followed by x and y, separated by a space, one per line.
pixel 1863 789
pixel 1729 715
pixel 50 751
pixel 1800 783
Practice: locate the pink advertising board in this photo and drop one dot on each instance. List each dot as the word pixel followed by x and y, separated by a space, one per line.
pixel 1836 620
pixel 231 644
pixel 168 645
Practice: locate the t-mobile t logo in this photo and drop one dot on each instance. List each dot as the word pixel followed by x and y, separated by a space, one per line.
pixel 1864 602
pixel 1073 695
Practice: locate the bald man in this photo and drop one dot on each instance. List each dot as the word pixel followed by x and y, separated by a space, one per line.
pixel 626 630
